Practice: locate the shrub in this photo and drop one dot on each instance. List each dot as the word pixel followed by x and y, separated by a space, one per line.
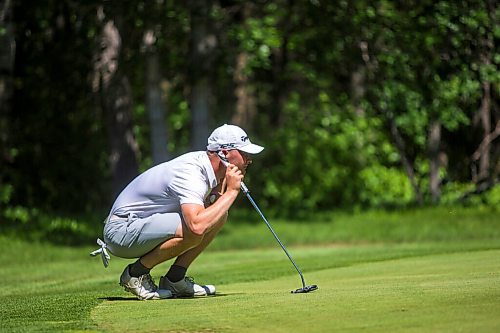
pixel 385 186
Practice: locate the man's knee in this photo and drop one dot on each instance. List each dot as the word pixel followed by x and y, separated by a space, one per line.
pixel 191 239
pixel 220 223
pixel 223 219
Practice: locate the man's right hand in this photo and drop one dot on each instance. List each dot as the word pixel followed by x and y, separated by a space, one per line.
pixel 234 177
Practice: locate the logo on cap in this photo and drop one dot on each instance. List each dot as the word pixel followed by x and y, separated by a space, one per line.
pixel 227 145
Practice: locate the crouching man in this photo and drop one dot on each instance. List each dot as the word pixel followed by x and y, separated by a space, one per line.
pixel 174 210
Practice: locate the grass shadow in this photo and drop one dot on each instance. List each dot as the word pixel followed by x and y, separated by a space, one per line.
pixel 119 298
pixel 132 298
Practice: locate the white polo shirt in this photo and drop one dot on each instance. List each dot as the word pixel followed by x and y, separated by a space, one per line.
pixel 188 178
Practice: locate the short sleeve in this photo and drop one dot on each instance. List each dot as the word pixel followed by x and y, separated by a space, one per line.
pixel 189 189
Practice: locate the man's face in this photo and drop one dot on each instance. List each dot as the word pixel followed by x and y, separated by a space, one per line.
pixel 239 158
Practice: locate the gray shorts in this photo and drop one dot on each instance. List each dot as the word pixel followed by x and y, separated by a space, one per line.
pixel 133 237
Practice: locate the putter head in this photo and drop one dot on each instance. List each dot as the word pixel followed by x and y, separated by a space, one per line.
pixel 305 289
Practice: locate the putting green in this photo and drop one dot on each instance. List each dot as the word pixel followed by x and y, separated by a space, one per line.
pixel 436 293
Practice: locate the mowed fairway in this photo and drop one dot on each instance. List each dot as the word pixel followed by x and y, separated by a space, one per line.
pixel 408 287
pixel 456 292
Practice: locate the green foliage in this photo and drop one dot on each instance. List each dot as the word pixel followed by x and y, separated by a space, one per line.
pixel 6 193
pixel 385 187
pixel 453 192
pixel 324 81
pixel 19 215
pixel 492 197
pixel 258 36
pixel 326 163
pixel 466 194
pixel 36 225
pixel 489 199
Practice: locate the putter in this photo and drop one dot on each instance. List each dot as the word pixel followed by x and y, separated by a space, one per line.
pixel 304 289
pixel 244 188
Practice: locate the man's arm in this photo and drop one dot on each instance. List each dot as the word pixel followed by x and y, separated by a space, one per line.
pixel 200 219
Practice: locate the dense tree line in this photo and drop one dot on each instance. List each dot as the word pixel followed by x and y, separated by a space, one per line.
pixel 359 103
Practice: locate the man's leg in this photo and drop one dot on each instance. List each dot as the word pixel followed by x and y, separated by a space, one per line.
pixel 185 245
pixel 175 280
pixel 120 235
pixel 186 258
pixel 171 248
pixel 136 278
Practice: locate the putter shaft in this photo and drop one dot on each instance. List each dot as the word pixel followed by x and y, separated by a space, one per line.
pixel 245 190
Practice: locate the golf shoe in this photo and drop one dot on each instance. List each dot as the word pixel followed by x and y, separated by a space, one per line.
pixel 186 287
pixel 143 286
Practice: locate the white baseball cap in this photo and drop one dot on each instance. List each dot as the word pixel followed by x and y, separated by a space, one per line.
pixel 231 137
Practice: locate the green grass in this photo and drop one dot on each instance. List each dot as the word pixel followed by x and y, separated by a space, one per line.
pixel 439 224
pixel 451 293
pixel 416 278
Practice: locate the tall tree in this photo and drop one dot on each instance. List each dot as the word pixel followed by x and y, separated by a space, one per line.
pixel 154 104
pixel 158 47
pixel 113 88
pixel 245 106
pixel 484 116
pixel 280 60
pixel 202 48
pixel 434 147
pixel 7 56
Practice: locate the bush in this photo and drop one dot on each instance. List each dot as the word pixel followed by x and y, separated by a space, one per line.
pixel 385 187
pixel 452 192
pixel 320 155
pixel 492 197
pixel 467 194
pixel 34 224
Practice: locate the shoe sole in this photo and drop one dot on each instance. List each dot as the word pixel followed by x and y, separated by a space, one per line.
pixel 127 289
pixel 206 291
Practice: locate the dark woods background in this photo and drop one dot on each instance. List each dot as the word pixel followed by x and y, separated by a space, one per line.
pixel 358 103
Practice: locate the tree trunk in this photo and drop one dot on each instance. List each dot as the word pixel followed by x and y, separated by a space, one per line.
pixel 155 106
pixel 7 55
pixel 485 116
pixel 200 97
pixel 483 149
pixel 408 166
pixel 245 108
pixel 245 100
pixel 203 43
pixel 358 89
pixel 117 105
pixel 280 58
pixel 113 88
pixel 434 142
pixel 358 78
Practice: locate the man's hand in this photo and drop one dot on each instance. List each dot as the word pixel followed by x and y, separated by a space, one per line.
pixel 234 177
